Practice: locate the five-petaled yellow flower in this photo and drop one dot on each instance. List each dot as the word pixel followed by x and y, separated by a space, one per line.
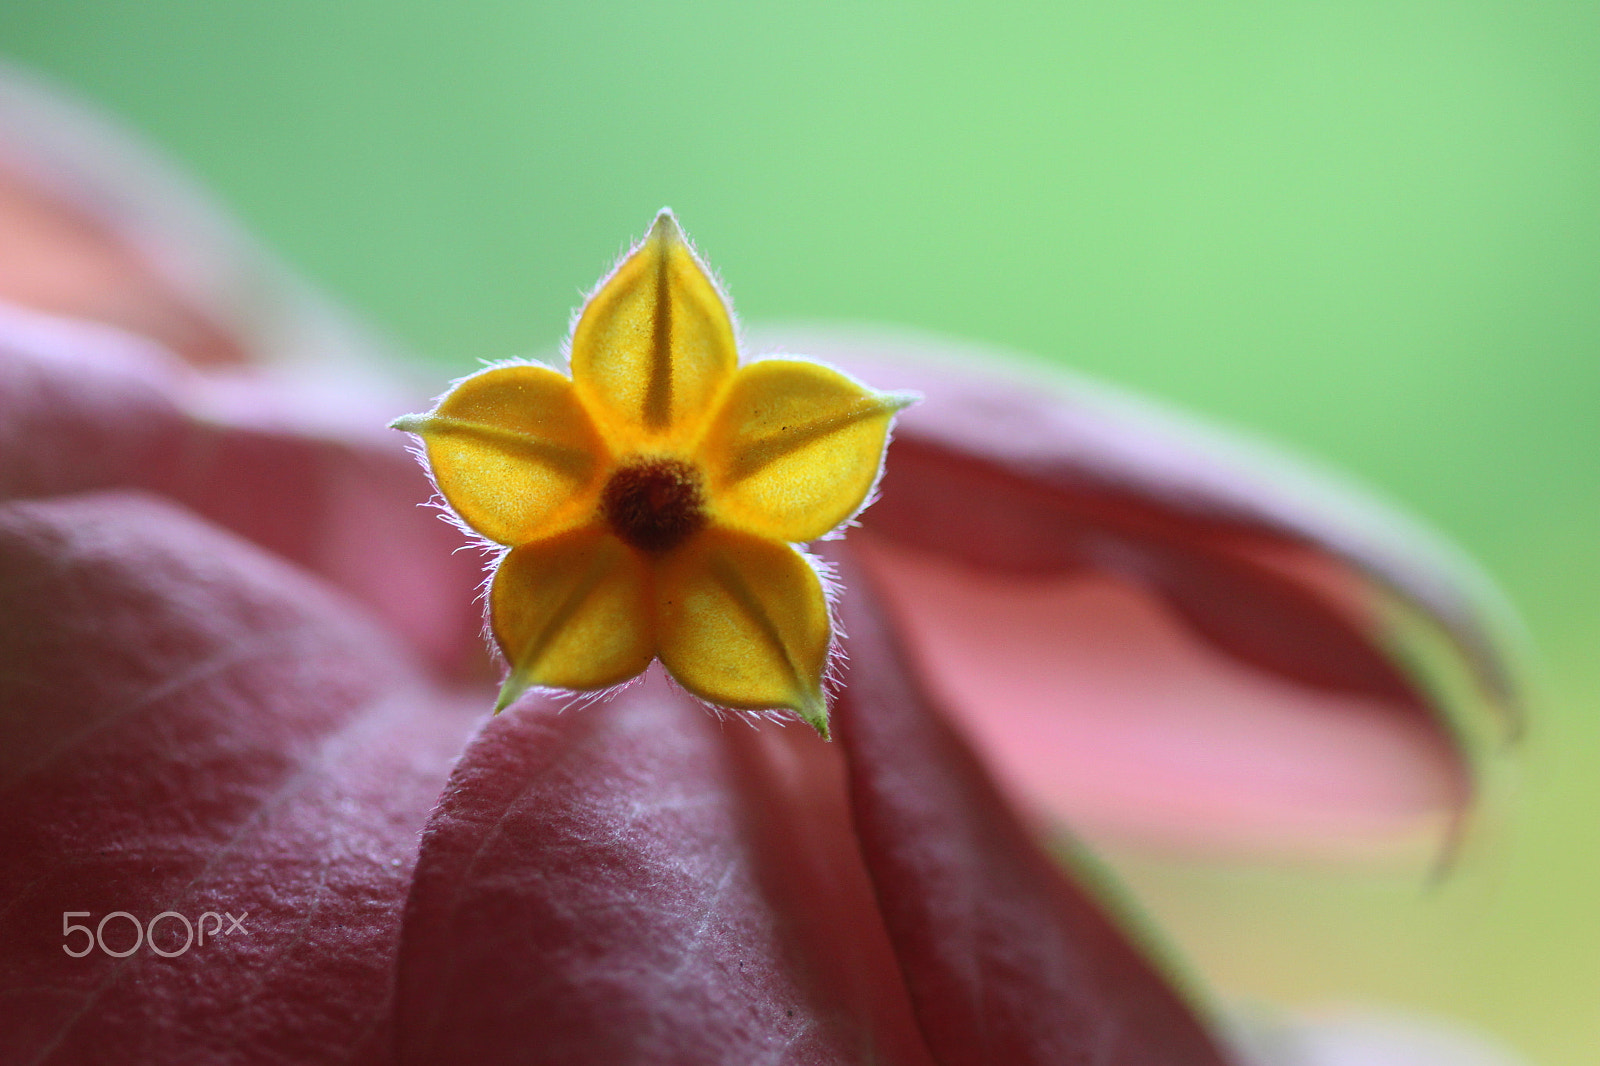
pixel 652 502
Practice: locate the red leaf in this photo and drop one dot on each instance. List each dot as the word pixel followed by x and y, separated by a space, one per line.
pixel 190 726
pixel 639 882
pixel 1006 959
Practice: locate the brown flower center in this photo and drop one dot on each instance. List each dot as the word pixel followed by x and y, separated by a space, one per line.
pixel 654 504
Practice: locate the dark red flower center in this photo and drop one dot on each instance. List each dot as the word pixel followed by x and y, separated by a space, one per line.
pixel 654 504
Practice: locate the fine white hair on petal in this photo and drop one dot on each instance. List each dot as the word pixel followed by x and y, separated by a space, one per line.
pixel 832 589
pixel 568 699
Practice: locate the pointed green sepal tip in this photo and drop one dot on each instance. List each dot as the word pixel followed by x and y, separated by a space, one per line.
pixel 813 710
pixel 515 685
pixel 409 423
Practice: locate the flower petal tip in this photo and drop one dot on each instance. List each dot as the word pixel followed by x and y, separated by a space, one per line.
pixel 665 228
pixel 901 399
pixel 513 688
pixel 813 710
pixel 409 423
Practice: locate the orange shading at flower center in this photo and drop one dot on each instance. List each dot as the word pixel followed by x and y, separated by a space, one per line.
pixel 654 504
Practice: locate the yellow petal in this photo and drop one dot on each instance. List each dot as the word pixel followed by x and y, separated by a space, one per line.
pixel 795 447
pixel 571 612
pixel 743 623
pixel 514 452
pixel 654 346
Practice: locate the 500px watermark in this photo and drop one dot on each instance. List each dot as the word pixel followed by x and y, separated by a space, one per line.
pixel 144 935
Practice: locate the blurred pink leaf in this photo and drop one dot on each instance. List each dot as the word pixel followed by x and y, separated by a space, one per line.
pixel 60 258
pixel 100 227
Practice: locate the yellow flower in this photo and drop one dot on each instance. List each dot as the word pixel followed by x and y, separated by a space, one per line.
pixel 652 501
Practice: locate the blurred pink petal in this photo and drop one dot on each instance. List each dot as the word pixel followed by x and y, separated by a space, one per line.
pixel 1159 635
pixel 1104 709
pixel 1006 959
pixel 189 725
pixel 85 407
pixel 98 226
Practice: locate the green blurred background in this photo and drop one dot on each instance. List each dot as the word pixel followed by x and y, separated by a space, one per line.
pixel 1370 230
